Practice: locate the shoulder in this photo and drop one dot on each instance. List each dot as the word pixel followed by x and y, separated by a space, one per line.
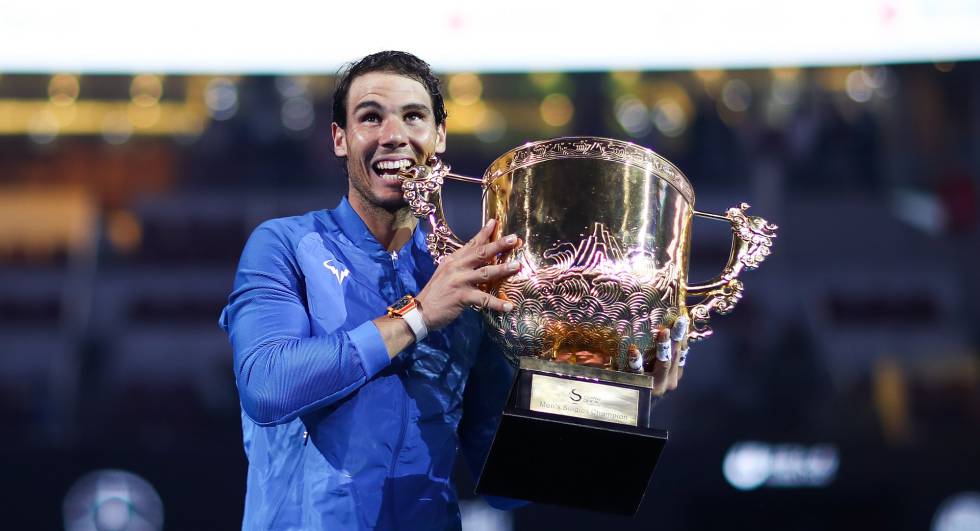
pixel 281 237
pixel 295 227
pixel 289 231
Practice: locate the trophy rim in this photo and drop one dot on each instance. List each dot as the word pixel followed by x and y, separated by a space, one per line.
pixel 590 147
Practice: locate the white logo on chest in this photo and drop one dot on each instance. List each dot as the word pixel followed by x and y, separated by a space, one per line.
pixel 341 275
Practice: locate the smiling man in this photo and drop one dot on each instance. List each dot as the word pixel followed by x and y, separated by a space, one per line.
pixel 360 365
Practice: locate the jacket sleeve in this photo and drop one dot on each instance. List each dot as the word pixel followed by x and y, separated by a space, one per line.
pixel 280 369
pixel 484 398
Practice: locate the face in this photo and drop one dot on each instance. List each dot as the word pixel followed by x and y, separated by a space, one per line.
pixel 390 126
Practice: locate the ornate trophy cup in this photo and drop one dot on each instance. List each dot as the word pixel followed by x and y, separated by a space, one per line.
pixel 606 227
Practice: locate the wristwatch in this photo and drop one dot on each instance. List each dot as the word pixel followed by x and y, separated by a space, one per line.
pixel 409 309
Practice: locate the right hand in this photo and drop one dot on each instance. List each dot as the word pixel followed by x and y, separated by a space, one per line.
pixel 453 287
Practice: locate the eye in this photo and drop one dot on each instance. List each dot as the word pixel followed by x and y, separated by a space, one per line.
pixel 370 118
pixel 414 116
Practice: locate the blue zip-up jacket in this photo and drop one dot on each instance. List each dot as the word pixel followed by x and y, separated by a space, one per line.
pixel 311 367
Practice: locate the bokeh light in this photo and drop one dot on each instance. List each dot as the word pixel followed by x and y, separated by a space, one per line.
pixel 858 86
pixel 465 89
pixel 492 127
pixel 63 89
pixel 292 86
pixel 669 117
pixel 711 80
pixel 784 94
pixel 626 79
pixel 959 512
pixel 221 98
pixel 476 515
pixel 556 109
pixel 633 116
pixel 143 116
pixel 297 114
pixel 883 80
pixel 146 90
pixel 786 85
pixel 546 81
pixel 466 117
pixel 43 127
pixel 116 128
pixel 751 464
pixel 112 500
pixel 736 95
pixel 124 231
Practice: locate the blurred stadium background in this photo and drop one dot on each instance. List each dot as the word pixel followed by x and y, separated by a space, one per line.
pixel 139 147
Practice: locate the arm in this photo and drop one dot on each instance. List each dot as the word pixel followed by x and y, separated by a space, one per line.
pixel 283 372
pixel 280 369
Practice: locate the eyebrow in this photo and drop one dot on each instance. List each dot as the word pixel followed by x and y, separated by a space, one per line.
pixel 371 104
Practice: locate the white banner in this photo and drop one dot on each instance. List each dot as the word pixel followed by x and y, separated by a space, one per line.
pixel 307 36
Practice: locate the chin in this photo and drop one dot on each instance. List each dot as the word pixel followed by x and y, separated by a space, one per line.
pixel 389 202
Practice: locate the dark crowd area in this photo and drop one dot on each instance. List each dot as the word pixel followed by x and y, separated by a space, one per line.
pixel 843 392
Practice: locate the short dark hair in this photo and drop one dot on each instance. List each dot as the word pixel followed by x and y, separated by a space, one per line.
pixel 401 63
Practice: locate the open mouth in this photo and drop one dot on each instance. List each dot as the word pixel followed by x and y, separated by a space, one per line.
pixel 388 169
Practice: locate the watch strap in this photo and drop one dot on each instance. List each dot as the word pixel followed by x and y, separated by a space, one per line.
pixel 414 319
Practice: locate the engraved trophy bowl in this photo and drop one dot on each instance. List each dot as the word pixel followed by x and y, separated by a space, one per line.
pixel 606 227
pixel 606 230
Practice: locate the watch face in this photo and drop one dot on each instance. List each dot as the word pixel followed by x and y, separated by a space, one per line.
pixel 403 305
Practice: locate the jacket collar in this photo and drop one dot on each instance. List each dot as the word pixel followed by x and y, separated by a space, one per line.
pixel 354 228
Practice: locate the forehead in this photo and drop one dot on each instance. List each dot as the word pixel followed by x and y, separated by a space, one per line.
pixel 388 89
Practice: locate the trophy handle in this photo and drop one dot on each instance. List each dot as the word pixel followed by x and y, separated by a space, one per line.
pixel 751 242
pixel 422 188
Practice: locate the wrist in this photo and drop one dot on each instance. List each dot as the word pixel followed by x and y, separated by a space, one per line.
pixel 409 310
pixel 421 306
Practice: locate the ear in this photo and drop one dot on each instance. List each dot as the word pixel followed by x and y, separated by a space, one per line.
pixel 339 140
pixel 441 138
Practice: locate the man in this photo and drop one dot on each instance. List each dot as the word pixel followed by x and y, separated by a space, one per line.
pixel 327 351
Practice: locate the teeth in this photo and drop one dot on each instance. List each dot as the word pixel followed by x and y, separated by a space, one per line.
pixel 392 164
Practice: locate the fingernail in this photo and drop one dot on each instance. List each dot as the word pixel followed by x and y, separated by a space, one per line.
pixel 490 222
pixel 510 239
pixel 679 331
pixel 508 306
pixel 663 351
pixel 514 266
pixel 682 357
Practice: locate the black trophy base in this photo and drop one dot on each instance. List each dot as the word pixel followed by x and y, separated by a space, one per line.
pixel 569 461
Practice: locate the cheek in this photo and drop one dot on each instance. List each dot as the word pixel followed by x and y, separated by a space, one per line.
pixel 357 142
pixel 426 137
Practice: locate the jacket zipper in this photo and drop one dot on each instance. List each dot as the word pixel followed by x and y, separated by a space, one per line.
pixel 394 264
pixel 400 441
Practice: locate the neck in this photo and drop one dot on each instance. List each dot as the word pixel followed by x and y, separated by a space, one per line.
pixel 391 228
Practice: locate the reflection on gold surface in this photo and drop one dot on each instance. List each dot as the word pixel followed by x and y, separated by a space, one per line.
pixel 606 231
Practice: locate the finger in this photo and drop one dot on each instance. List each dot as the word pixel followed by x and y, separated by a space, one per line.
pixel 481 300
pixel 681 359
pixel 485 252
pixel 662 362
pixel 678 335
pixel 490 273
pixel 483 236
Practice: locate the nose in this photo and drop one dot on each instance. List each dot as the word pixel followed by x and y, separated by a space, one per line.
pixel 393 134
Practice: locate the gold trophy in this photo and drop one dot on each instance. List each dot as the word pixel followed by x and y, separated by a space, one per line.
pixel 606 227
